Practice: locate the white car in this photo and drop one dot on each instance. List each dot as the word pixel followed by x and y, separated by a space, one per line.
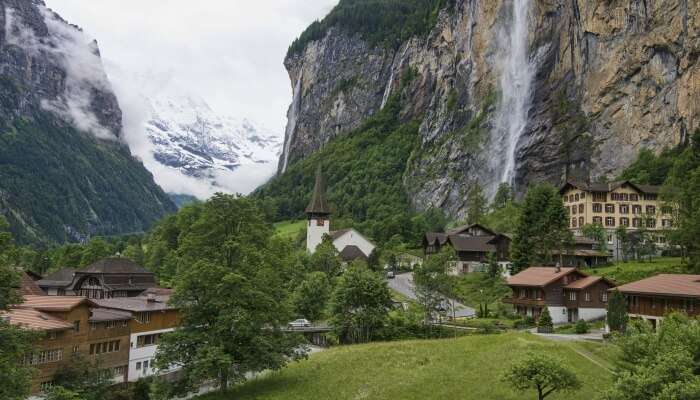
pixel 299 323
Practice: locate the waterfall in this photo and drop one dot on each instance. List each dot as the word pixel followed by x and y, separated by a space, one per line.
pixel 517 74
pixel 291 122
pixel 387 89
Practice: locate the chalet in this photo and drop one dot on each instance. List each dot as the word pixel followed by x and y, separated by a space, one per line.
pixel 351 244
pixel 584 254
pixel 568 293
pixel 652 298
pixel 152 317
pixel 106 278
pixel 473 245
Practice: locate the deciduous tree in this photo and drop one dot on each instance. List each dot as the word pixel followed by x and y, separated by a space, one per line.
pixel 617 312
pixel 543 373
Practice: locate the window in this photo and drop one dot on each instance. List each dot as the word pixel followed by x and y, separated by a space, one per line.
pixel 104 347
pixel 634 197
pixel 76 349
pixel 572 296
pixel 117 324
pixel 667 223
pixel 145 364
pixel 609 221
pixel 583 195
pixel 147 340
pixel 598 220
pixel 61 292
pixel 649 197
pixel 46 386
pixel 600 196
pixel 587 296
pixel 636 209
pixel 624 221
pixel 576 197
pixel 143 317
pixel 119 371
pixel 636 222
pixel 597 208
pixel 44 357
pixel 138 365
pixel 605 297
pixel 573 222
pixel 573 209
pixel 568 209
pixel 581 221
pixel 651 223
pixel 624 209
pixel 580 208
pixel 651 210
pixel 610 208
pixel 76 326
pixel 666 210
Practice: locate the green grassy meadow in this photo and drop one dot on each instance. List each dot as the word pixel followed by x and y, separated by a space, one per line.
pixel 449 369
pixel 289 229
pixel 625 272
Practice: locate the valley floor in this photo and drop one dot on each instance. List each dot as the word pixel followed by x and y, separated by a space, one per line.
pixel 449 369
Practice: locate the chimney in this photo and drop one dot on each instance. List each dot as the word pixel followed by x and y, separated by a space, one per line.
pixel 557 268
pixel 151 297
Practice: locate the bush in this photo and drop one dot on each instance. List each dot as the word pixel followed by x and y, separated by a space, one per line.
pixel 545 324
pixel 581 327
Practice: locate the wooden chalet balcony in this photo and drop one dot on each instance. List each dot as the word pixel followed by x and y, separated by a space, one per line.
pixel 524 301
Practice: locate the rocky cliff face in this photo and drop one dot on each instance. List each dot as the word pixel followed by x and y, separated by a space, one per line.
pixel 64 173
pixel 520 91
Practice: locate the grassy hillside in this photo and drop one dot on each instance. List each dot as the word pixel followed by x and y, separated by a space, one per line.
pixel 290 229
pixel 625 272
pixel 448 369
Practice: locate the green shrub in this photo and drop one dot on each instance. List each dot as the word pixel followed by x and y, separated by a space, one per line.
pixel 545 324
pixel 581 327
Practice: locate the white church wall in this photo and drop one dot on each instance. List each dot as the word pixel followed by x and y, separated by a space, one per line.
pixel 353 238
pixel 315 231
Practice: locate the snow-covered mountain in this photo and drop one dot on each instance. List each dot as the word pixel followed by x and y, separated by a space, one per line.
pixel 189 136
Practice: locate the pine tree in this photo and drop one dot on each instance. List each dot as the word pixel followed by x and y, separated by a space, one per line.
pixel 617 312
pixel 545 324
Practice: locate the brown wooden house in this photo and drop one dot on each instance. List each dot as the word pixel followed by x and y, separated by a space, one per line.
pixel 652 298
pixel 472 243
pixel 568 293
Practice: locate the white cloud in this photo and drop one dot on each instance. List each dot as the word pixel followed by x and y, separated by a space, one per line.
pixel 228 52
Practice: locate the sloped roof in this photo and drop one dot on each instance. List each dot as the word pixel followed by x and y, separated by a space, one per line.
pixel 114 265
pixel 62 277
pixel 33 319
pixel 53 303
pixel 336 234
pixel 134 304
pixel 460 229
pixel 105 314
pixel 679 285
pixel 582 253
pixel 351 253
pixel 539 276
pixel 608 186
pixel 318 204
pixel 472 243
pixel 586 282
pixel 28 286
pixel 431 237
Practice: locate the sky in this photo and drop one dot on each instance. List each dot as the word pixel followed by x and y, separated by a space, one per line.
pixel 228 52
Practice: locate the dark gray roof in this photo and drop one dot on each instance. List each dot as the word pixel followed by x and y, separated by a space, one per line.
pixel 318 204
pixel 133 304
pixel 114 266
pixel 481 244
pixel 461 229
pixel 62 277
pixel 609 186
pixel 336 234
pixel 351 253
pixel 105 314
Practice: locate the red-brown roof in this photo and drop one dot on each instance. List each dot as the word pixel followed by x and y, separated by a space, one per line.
pixel 105 314
pixel 29 286
pixel 679 285
pixel 29 318
pixel 586 282
pixel 539 276
pixel 53 303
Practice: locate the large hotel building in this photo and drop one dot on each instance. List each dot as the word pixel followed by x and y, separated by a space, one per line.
pixel 615 204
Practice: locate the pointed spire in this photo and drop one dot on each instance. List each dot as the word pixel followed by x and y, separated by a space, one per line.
pixel 318 203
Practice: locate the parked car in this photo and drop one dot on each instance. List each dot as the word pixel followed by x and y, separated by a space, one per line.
pixel 390 275
pixel 299 323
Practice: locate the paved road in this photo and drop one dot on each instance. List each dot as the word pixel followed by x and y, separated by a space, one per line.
pixel 403 283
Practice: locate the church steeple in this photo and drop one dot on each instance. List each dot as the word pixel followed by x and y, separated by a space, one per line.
pixel 318 214
pixel 318 206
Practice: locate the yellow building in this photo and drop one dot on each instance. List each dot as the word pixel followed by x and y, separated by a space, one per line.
pixel 615 204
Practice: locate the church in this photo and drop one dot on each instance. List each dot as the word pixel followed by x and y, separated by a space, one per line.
pixel 350 243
